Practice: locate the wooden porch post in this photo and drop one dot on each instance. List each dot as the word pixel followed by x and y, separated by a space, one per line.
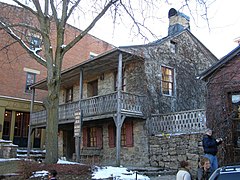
pixel 118 121
pixel 78 137
pixel 29 127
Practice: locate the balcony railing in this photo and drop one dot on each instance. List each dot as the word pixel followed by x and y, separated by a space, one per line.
pixel 179 122
pixel 94 106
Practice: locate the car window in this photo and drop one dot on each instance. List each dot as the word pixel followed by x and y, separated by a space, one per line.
pixel 229 176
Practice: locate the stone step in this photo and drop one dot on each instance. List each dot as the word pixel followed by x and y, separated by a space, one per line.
pixel 34 153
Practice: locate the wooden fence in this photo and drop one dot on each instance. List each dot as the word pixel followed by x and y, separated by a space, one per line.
pixel 179 122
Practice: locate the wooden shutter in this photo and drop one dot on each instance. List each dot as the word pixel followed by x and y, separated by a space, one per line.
pixel 111 136
pixel 85 137
pixel 99 137
pixel 129 134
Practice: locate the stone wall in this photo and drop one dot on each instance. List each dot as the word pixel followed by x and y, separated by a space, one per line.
pixel 167 151
pixel 7 149
pixel 130 156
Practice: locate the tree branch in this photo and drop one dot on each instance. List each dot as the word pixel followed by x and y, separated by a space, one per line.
pixel 32 53
pixel 71 10
pixel 137 23
pixel 26 7
pixel 38 7
pixel 54 12
pixel 25 26
pixel 83 33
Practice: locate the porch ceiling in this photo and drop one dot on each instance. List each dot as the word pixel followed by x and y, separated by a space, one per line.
pixel 91 68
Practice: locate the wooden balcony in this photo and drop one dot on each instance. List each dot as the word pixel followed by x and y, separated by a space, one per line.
pixel 94 108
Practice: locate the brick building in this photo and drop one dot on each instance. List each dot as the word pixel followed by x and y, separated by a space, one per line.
pixel 18 71
pixel 223 104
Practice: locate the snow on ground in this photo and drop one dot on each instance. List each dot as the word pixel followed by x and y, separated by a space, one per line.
pixel 9 159
pixel 119 173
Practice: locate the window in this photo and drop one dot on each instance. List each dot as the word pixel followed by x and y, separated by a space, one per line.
pixel 35 42
pixel 69 95
pixel 126 135
pixel 92 88
pixel 123 81
pixel 173 47
pixel 167 81
pixel 235 97
pixel 7 124
pixel 30 79
pixel 92 137
pixel 92 55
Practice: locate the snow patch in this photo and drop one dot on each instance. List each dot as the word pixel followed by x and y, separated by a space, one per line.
pixel 116 172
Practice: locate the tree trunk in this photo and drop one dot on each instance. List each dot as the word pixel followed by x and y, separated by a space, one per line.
pixel 52 123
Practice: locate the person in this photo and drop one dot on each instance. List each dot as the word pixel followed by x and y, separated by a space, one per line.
pixel 52 175
pixel 204 171
pixel 183 173
pixel 210 147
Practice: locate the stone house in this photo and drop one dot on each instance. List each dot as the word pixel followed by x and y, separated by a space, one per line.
pixel 109 105
pixel 18 71
pixel 223 104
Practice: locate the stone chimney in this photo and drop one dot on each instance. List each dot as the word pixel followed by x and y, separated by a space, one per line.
pixel 237 40
pixel 177 22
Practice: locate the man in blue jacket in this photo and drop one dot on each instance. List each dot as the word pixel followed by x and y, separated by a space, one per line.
pixel 210 147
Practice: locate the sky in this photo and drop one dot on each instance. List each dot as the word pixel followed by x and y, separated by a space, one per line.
pixel 218 37
pixel 224 27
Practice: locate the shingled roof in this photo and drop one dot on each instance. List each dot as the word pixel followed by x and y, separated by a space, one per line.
pixel 220 63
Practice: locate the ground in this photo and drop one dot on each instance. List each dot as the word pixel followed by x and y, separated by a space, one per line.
pixel 25 169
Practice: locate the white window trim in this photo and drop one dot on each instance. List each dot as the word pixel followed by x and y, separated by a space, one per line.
pixel 31 70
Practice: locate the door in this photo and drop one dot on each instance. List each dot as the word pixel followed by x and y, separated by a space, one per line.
pixel 92 88
pixel 7 125
pixel 21 129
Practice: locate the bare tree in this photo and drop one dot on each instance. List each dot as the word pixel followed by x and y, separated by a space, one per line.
pixel 44 15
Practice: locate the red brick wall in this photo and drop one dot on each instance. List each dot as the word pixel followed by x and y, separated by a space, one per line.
pixel 220 85
pixel 13 59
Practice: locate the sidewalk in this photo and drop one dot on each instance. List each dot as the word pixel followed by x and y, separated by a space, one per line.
pixel 164 177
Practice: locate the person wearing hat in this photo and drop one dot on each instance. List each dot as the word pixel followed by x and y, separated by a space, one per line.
pixel 210 147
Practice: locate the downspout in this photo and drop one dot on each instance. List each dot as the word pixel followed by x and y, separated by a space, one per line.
pixel 78 137
pixel 118 121
pixel 29 127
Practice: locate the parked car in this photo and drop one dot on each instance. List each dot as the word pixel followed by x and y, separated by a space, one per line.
pixel 226 173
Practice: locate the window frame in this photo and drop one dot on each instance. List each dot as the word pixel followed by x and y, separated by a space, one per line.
pixel 92 137
pixel 235 106
pixel 28 74
pixel 69 95
pixel 126 135
pixel 92 88
pixel 167 81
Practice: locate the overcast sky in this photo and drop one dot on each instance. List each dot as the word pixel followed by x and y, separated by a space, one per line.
pixel 224 22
